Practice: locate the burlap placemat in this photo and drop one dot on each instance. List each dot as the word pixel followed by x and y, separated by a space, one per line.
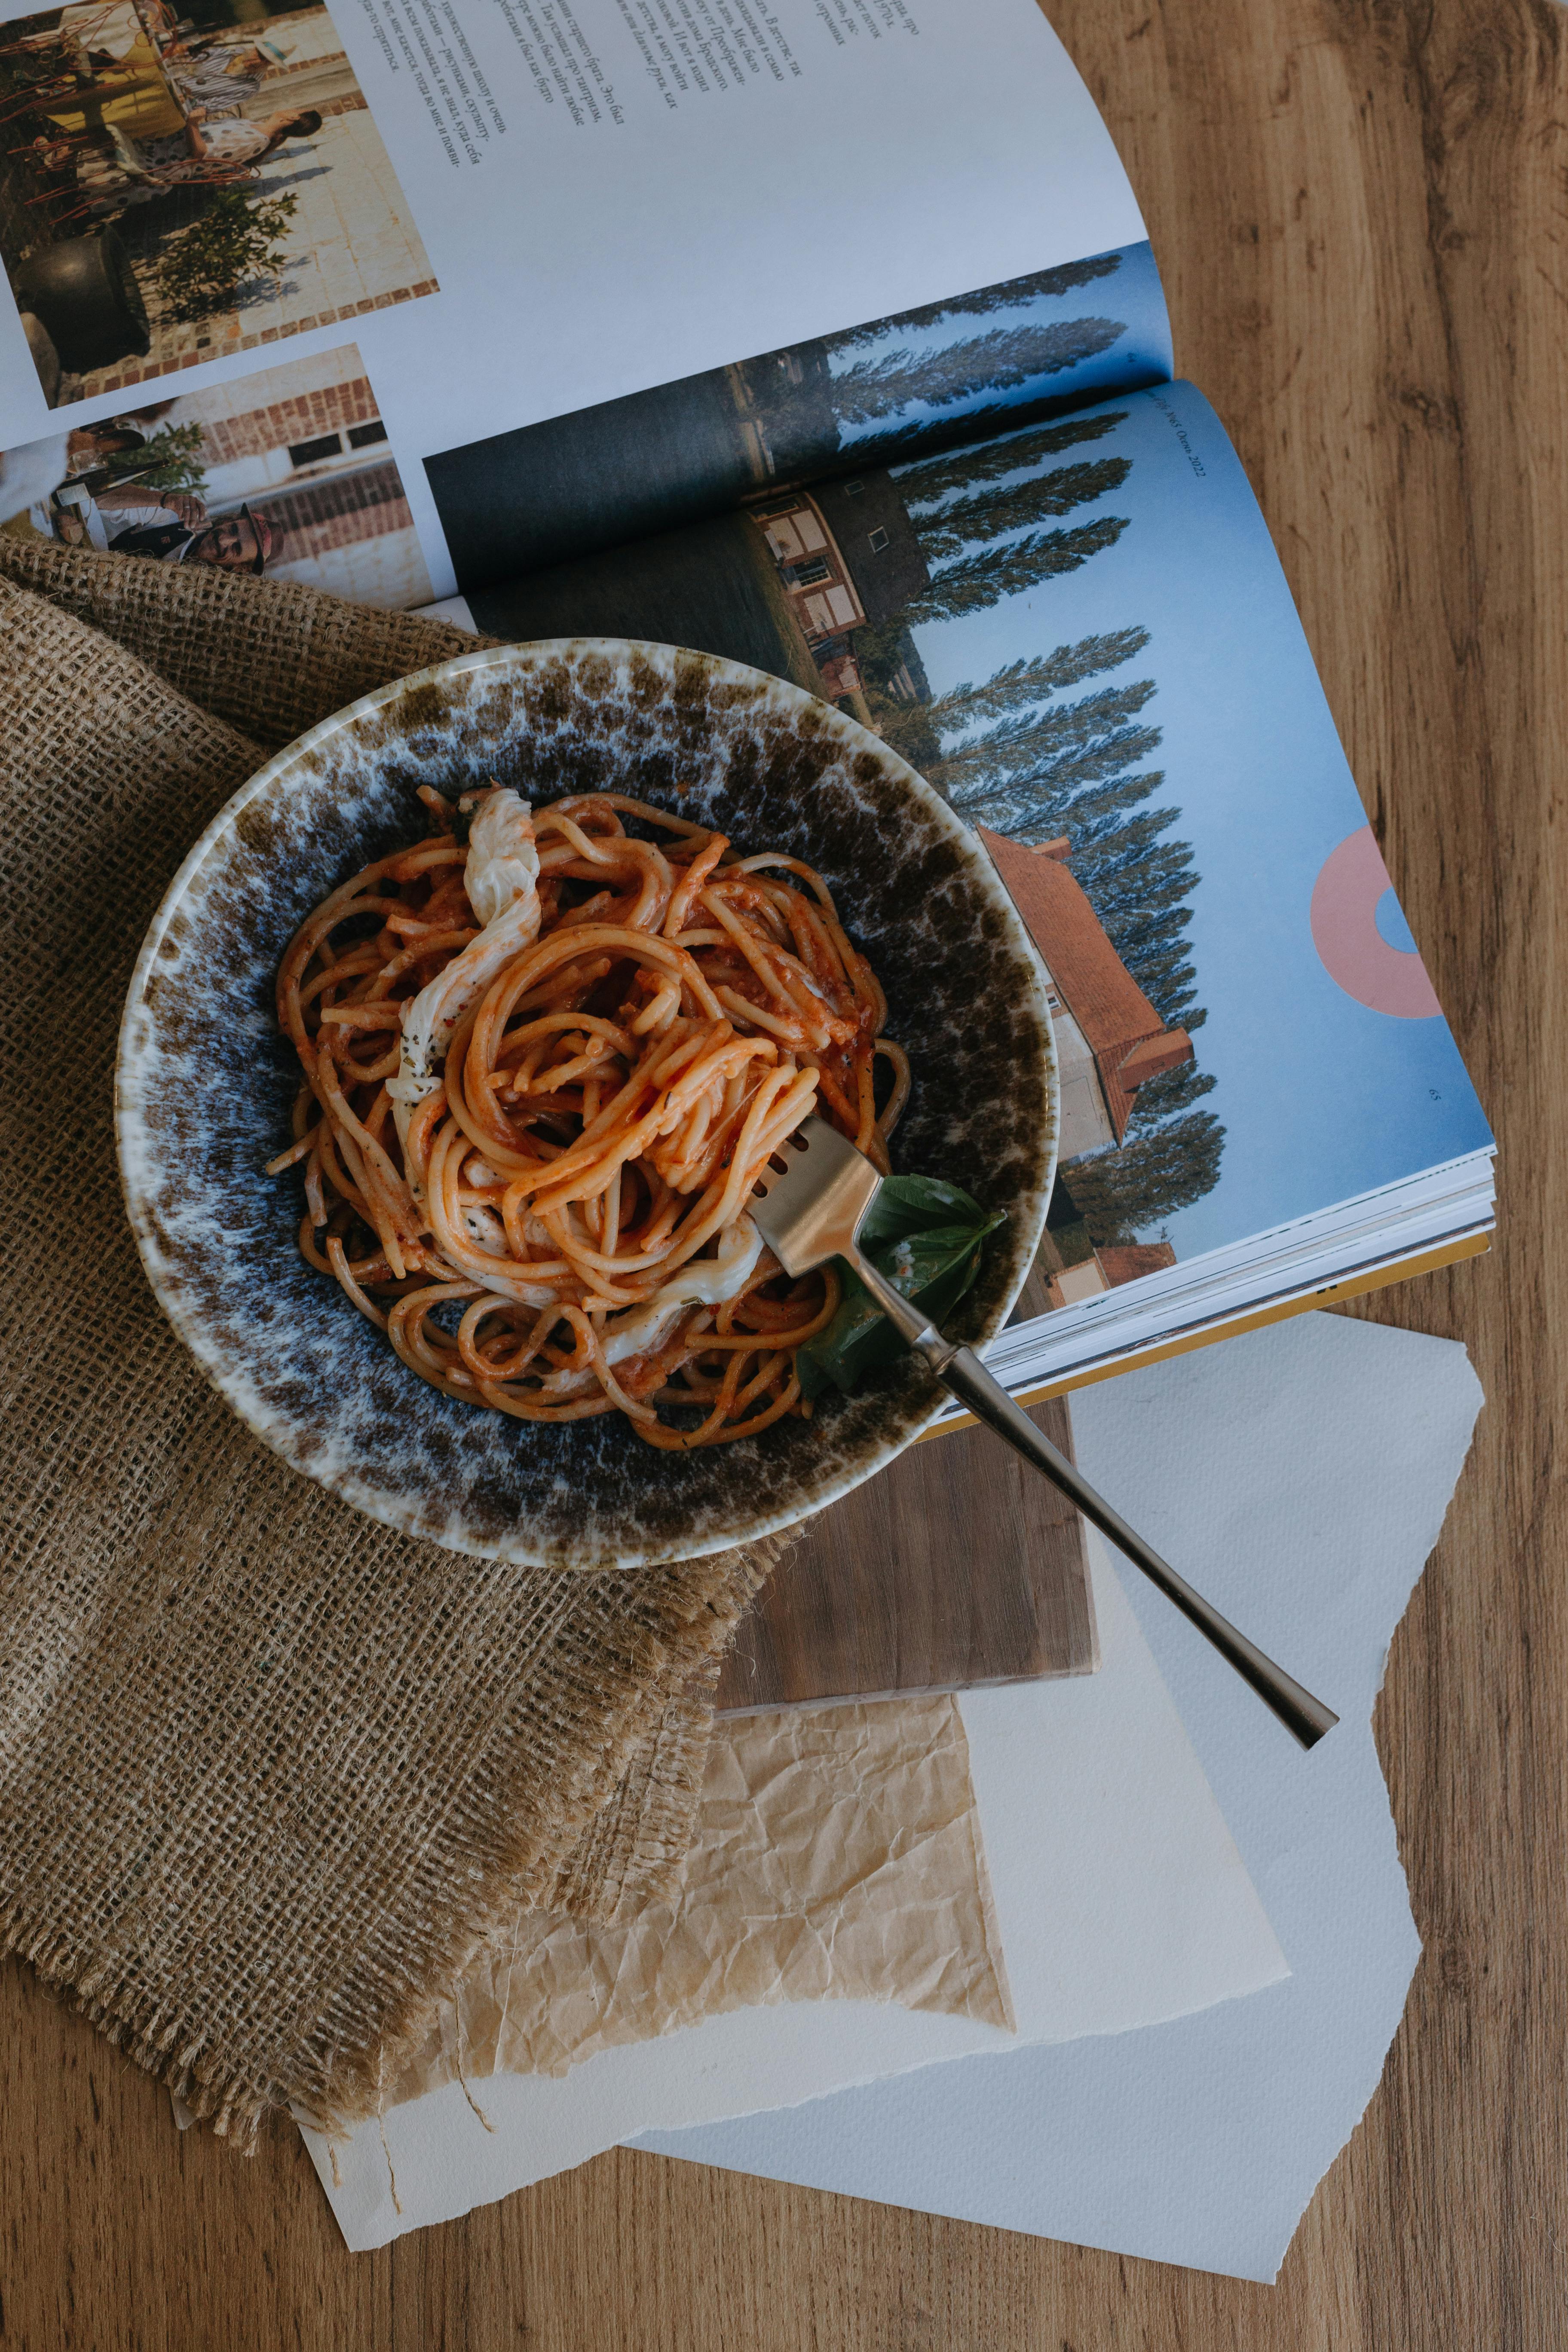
pixel 267 1770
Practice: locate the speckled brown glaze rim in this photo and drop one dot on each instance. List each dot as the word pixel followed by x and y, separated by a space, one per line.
pixel 747 1520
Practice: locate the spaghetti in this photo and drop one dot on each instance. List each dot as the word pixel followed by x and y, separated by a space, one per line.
pixel 545 1058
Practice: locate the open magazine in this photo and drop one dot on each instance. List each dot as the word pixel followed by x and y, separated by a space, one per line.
pixel 824 334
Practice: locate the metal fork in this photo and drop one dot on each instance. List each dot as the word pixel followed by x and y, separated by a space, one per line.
pixel 811 1210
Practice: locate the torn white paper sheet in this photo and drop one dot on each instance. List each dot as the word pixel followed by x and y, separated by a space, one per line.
pixel 1121 1899
pixel 1299 1475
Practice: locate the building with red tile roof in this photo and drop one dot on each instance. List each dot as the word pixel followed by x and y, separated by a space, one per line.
pixel 1109 1039
pixel 1128 1260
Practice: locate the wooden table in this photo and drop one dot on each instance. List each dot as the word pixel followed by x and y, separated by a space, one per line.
pixel 1361 210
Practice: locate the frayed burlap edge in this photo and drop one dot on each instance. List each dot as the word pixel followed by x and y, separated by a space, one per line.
pixel 269 657
pixel 599 1846
pixel 634 1849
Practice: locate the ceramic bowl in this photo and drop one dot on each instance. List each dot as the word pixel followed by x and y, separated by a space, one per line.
pixel 204 1081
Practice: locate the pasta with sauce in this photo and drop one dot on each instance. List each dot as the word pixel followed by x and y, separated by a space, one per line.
pixel 544 1059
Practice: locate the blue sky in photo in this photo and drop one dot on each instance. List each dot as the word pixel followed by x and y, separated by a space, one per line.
pixel 1323 1099
pixel 1140 355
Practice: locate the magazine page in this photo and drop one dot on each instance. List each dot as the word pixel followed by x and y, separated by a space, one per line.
pixel 500 212
pixel 1080 633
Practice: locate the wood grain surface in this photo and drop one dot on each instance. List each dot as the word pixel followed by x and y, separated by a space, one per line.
pixel 958 1567
pixel 1358 207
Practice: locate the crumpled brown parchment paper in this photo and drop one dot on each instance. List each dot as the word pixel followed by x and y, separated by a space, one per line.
pixel 837 1854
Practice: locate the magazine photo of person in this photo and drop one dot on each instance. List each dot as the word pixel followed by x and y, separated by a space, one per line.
pixel 286 474
pixel 171 195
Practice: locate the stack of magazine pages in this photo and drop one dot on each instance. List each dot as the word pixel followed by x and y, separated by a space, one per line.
pixel 825 335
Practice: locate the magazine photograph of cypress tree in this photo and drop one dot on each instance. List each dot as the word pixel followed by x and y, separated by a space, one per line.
pixel 1009 617
pixel 1025 755
pixel 679 452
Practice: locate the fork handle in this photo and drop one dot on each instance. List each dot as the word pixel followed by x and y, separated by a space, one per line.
pixel 960 1370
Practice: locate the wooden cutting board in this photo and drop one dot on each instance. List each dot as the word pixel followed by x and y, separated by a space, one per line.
pixel 958 1566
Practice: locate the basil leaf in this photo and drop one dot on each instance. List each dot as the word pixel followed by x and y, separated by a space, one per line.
pixel 926 1240
pixel 908 1204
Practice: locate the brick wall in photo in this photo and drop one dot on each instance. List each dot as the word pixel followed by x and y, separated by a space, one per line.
pixel 337 512
pixel 303 417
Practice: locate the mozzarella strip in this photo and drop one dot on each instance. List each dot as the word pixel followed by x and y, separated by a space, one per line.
pixel 501 878
pixel 708 1284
